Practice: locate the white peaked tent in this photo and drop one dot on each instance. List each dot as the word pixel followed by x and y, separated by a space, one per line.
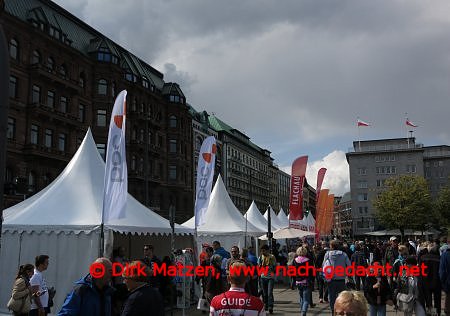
pixel 311 222
pixel 282 218
pixel 63 221
pixel 273 218
pixel 224 222
pixel 255 217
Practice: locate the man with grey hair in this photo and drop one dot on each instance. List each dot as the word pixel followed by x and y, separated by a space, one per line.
pixel 91 295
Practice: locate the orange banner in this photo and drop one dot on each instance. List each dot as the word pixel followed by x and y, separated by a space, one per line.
pixel 320 209
pixel 329 215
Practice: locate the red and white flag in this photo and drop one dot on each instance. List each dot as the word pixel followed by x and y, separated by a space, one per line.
pixel 116 173
pixel 205 175
pixel 362 123
pixel 409 123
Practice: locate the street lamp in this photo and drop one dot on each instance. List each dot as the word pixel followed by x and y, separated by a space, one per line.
pixel 172 225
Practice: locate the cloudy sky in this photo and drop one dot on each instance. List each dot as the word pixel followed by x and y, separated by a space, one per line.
pixel 295 75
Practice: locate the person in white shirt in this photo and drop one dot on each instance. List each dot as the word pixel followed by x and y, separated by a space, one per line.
pixel 39 287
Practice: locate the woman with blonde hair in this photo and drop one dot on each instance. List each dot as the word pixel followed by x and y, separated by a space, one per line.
pixel 303 280
pixel 20 302
pixel 350 303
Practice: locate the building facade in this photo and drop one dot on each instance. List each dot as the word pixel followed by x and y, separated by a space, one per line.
pixel 64 78
pixel 342 224
pixel 372 162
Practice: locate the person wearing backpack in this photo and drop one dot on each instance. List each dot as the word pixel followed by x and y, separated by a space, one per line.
pixel 360 259
pixel 336 283
pixel 91 295
pixel 377 292
pixel 303 282
pixel 408 298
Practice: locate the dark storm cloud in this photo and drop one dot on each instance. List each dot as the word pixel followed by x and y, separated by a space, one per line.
pixel 294 75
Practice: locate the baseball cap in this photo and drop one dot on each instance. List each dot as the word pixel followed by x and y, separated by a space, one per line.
pixel 392 238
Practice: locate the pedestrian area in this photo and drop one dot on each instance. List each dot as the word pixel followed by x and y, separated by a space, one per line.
pixel 286 303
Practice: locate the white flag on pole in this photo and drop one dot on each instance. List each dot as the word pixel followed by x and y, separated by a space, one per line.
pixel 116 174
pixel 205 175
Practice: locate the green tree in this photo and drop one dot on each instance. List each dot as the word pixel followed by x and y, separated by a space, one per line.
pixel 405 204
pixel 442 206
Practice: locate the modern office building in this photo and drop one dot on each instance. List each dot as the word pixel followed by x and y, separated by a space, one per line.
pixel 372 162
pixel 64 78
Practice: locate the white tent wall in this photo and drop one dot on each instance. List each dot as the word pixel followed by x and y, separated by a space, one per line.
pixel 70 257
pixel 134 244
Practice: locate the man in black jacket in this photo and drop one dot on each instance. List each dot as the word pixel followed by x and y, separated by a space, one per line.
pixel 143 299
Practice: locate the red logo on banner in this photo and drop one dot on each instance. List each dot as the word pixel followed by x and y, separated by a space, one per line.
pixel 207 156
pixel 297 181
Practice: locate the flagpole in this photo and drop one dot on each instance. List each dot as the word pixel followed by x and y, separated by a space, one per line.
pixel 359 135
pixel 406 127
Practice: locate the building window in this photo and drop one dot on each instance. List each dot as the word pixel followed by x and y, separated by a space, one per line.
pixel 174 98
pixel 63 71
pixel 51 99
pixel 362 171
pixel 31 181
pixel 34 135
pixel 149 140
pixel 48 138
pixel 172 121
pixel 36 94
pixel 62 142
pixel 145 83
pixel 173 146
pixel 36 57
pixel 172 172
pixel 362 184
pixel 11 129
pixel 104 54
pixel 133 162
pixel 102 150
pixel 50 64
pixel 12 87
pixel 441 163
pixel 13 49
pixel 411 168
pixel 113 89
pixel 101 118
pixel 102 87
pixel 134 105
pixel 133 133
pixel 81 113
pixel 63 104
pixel 141 135
pixel 198 144
pixel 141 164
pixel 82 80
pixel 362 197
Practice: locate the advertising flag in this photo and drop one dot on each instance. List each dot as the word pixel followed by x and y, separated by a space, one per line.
pixel 116 174
pixel 297 181
pixel 328 223
pixel 205 175
pixel 320 177
pixel 320 209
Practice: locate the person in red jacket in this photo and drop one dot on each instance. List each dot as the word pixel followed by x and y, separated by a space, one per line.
pixel 236 301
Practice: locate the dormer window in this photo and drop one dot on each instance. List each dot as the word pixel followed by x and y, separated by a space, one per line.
pixel 130 76
pixel 145 83
pixel 13 49
pixel 54 32
pixel 104 54
pixel 174 98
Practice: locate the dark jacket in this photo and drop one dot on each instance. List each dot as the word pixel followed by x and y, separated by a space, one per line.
pixel 144 300
pixel 359 258
pixel 222 252
pixel 371 294
pixel 444 271
pixel 85 299
pixel 431 280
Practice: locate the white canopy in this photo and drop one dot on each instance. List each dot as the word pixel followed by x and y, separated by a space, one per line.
pixel 63 221
pixel 73 202
pixel 255 217
pixel 288 233
pixel 273 218
pixel 282 218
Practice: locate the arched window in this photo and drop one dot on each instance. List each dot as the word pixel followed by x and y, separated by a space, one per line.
pixel 13 49
pixel 50 64
pixel 172 121
pixel 102 87
pixel 141 164
pixel 31 181
pixel 133 133
pixel 63 71
pixel 82 80
pixel 36 57
pixel 134 105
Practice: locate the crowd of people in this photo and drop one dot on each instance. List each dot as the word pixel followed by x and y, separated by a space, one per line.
pixel 228 293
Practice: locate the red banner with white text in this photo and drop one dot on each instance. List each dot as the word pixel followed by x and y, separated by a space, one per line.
pixel 297 181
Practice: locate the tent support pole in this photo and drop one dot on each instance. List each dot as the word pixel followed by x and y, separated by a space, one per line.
pixel 102 240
